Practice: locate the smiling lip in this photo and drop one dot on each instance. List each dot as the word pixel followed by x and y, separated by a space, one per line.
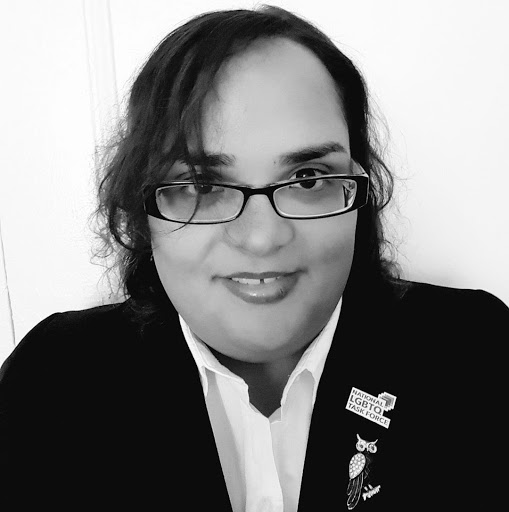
pixel 261 288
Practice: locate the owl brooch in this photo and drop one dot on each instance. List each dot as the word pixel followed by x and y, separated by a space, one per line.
pixel 358 471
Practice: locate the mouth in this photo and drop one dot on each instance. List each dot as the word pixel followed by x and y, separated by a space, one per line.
pixel 261 288
pixel 245 280
pixel 254 279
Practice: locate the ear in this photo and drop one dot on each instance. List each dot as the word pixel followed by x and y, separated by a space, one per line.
pixel 359 438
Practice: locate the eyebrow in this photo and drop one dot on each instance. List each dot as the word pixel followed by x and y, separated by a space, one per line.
pixel 209 160
pixel 292 158
pixel 311 153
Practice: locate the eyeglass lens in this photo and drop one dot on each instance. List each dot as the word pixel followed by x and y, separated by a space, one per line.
pixel 212 203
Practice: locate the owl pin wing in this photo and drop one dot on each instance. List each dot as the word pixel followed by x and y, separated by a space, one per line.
pixel 356 473
pixel 354 491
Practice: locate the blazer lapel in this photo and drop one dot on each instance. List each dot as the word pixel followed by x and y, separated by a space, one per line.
pixel 354 360
pixel 180 417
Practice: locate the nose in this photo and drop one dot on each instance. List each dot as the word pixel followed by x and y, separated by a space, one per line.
pixel 259 230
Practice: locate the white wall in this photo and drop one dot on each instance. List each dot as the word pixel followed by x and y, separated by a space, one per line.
pixel 438 71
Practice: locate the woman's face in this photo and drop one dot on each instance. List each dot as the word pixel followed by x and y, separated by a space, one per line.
pixel 269 105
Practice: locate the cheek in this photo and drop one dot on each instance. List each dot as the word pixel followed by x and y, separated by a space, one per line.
pixel 179 253
pixel 331 242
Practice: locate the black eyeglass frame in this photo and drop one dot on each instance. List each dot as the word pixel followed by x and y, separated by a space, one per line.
pixel 361 196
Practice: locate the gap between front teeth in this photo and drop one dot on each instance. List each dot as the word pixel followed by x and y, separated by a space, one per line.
pixel 243 280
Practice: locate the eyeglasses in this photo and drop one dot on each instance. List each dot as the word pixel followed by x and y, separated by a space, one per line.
pixel 203 202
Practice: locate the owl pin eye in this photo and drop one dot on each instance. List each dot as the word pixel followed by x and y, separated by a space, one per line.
pixel 372 447
pixel 361 445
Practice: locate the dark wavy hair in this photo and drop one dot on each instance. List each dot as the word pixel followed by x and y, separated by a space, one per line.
pixel 164 114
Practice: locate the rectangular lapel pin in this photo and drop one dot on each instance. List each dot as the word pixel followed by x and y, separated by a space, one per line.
pixel 371 407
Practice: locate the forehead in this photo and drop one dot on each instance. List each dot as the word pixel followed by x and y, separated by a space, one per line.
pixel 274 97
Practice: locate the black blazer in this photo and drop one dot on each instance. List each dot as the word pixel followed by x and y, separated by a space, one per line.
pixel 92 418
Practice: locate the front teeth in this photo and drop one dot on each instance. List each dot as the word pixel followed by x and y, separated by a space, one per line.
pixel 243 280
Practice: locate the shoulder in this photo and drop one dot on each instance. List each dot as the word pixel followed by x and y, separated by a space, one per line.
pixel 100 321
pixel 440 295
pixel 450 307
pixel 103 339
pixel 406 310
pixel 448 344
pixel 78 321
pixel 69 339
pixel 432 336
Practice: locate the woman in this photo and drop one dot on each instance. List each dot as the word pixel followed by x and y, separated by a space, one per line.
pixel 268 357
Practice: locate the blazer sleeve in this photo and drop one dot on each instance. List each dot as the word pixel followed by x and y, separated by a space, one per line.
pixel 33 340
pixel 49 386
pixel 21 374
pixel 496 312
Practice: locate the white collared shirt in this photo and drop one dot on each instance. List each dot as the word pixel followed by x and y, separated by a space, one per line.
pixel 262 458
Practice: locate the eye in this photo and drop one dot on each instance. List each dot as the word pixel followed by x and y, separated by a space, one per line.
pixel 309 173
pixel 202 186
pixel 372 448
pixel 201 189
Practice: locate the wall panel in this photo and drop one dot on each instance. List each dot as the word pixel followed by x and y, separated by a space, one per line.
pixel 49 129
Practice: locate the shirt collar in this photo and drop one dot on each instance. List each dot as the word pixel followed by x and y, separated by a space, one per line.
pixel 203 357
pixel 313 359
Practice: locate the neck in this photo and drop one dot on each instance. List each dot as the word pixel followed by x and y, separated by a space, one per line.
pixel 266 380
